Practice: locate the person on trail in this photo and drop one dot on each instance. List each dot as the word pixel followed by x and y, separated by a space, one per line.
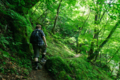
pixel 38 41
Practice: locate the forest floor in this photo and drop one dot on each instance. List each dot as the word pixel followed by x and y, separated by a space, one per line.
pixel 40 75
pixel 34 75
pixel 43 74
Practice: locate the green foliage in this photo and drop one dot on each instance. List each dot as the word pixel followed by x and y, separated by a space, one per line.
pixel 4 54
pixel 80 69
pixel 56 49
pixel 26 72
pixel 14 40
pixel 14 63
pixel 62 74
pixel 84 70
pixel 76 30
pixel 3 41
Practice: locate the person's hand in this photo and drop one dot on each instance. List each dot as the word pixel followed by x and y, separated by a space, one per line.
pixel 46 45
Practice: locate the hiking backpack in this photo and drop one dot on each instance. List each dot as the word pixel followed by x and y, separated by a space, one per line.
pixel 36 37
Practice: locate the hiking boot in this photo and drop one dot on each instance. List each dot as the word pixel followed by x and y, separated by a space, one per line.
pixel 43 60
pixel 38 66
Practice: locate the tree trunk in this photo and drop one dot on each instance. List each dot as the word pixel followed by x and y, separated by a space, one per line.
pixel 96 32
pixel 104 42
pixel 53 29
pixel 95 35
pixel 80 28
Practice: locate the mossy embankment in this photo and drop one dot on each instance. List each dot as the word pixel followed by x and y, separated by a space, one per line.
pixel 15 49
pixel 63 65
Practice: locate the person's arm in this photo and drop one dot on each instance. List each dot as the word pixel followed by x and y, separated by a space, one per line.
pixel 45 41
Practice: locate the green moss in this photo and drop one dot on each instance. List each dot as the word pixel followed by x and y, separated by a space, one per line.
pixel 79 67
pixel 57 64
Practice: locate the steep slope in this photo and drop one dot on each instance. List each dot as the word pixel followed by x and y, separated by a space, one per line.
pixel 14 44
pixel 63 64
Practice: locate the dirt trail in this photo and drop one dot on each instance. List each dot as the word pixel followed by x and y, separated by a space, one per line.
pixel 43 74
pixel 40 75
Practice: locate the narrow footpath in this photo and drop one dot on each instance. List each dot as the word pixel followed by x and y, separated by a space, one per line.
pixel 43 74
pixel 40 75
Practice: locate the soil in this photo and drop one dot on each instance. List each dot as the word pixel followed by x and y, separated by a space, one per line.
pixel 40 75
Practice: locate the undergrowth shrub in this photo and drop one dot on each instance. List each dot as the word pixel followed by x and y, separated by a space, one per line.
pixel 4 54
pixel 15 31
pixel 3 41
pixel 12 64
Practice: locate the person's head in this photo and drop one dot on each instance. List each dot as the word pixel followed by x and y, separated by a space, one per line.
pixel 38 27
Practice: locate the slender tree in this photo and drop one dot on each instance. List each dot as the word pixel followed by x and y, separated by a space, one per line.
pixel 53 29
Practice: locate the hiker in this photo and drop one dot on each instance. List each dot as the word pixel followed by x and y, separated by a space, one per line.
pixel 38 41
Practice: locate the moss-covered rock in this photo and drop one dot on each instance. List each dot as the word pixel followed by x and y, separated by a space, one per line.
pixel 56 64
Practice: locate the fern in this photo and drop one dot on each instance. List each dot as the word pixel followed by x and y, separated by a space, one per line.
pixel 3 41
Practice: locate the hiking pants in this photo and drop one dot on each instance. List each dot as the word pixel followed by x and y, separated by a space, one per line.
pixel 37 49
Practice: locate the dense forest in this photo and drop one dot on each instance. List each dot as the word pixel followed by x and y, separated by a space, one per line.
pixel 82 37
